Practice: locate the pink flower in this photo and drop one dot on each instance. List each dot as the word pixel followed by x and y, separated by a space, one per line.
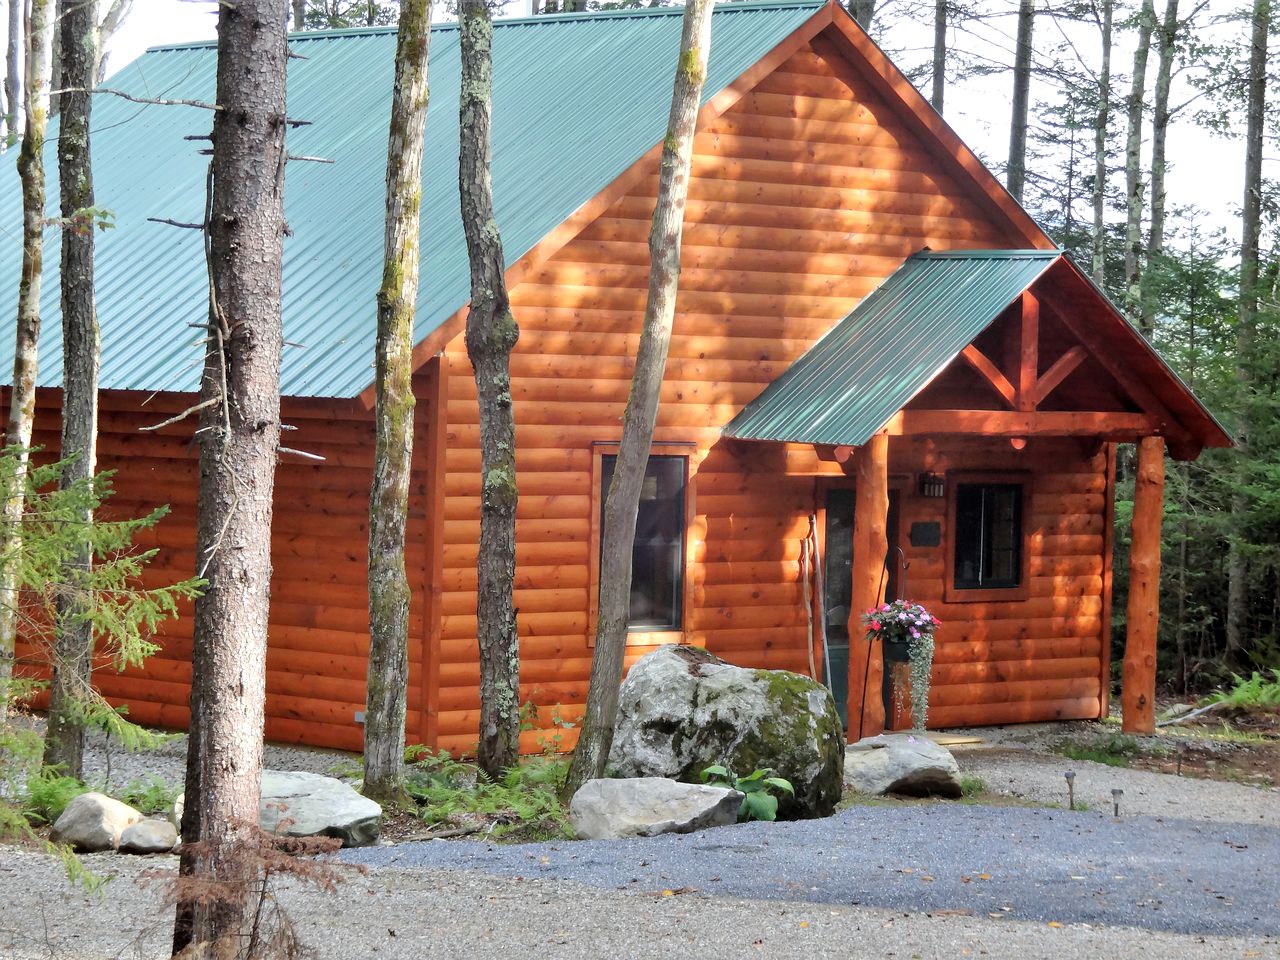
pixel 875 624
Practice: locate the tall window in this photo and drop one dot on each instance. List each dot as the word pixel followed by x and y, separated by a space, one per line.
pixel 988 536
pixel 657 559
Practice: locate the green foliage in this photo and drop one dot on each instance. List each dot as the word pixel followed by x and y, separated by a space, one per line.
pixel 113 599
pixel 522 804
pixel 972 786
pixel 757 788
pixel 1256 693
pixel 150 796
pixel 1116 750
pixel 48 793
pixel 553 744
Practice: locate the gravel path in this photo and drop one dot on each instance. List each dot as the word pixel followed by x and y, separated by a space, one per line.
pixel 1020 771
pixel 429 914
pixel 1028 864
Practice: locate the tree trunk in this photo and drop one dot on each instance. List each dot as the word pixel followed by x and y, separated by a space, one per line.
pixel 299 14
pixel 1251 217
pixel 863 11
pixel 239 439
pixel 13 70
pixel 939 53
pixel 1166 35
pixel 491 334
pixel 1101 122
pixel 640 417
pixel 22 403
pixel 393 414
pixel 111 21
pixel 73 646
pixel 1133 167
pixel 1016 172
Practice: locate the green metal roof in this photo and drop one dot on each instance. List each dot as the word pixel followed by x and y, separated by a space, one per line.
pixel 577 99
pixel 869 366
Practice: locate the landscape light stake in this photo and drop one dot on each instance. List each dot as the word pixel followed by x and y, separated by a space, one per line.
pixel 1116 794
pixel 1182 752
pixel 1070 776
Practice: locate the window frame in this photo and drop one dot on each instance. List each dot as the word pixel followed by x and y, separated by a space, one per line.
pixel 642 637
pixel 954 594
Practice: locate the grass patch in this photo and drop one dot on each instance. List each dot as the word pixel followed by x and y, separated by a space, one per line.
pixel 1115 750
pixel 972 786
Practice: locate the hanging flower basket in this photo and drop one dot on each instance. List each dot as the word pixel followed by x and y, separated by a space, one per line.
pixel 906 629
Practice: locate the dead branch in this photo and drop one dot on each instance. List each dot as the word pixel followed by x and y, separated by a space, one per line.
pixel 300 453
pixel 183 415
pixel 1192 715
pixel 176 223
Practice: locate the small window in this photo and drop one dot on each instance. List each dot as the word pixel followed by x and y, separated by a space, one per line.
pixel 988 536
pixel 657 559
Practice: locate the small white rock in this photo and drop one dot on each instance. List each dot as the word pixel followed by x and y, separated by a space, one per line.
pixel 648 806
pixel 149 836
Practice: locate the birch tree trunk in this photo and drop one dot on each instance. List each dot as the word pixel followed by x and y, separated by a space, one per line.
pixel 864 12
pixel 1101 123
pixel 111 21
pixel 638 421
pixel 389 595
pixel 22 402
pixel 1251 223
pixel 491 335
pixel 1133 166
pixel 1016 171
pixel 73 645
pixel 239 441
pixel 13 63
pixel 939 53
pixel 1166 35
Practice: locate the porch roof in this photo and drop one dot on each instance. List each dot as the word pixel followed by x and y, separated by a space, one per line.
pixel 852 382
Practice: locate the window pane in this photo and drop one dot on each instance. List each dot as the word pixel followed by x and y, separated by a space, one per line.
pixel 657 559
pixel 988 536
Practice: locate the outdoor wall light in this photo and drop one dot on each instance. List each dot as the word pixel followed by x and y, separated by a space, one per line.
pixel 932 485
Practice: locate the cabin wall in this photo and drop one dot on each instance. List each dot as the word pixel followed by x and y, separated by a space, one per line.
pixel 803 197
pixel 318 632
pixel 1040 658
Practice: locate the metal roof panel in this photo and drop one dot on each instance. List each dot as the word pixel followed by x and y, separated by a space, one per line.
pixel 577 99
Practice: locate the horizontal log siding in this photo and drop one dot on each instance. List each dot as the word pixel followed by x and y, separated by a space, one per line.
pixel 1032 659
pixel 318 635
pixel 804 196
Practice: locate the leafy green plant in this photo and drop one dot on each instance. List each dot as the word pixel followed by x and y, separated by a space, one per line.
pixel 972 786
pixel 47 795
pixel 553 744
pixel 522 804
pixel 1256 693
pixel 758 799
pixel 151 796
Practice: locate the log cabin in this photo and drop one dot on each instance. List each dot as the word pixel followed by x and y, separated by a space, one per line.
pixel 885 379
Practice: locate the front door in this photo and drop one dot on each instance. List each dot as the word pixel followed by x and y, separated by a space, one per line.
pixel 837 574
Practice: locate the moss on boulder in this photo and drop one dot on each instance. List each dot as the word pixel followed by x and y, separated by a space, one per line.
pixel 682 709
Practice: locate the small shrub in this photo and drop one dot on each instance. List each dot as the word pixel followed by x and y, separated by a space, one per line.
pixel 1256 693
pixel 153 796
pixel 972 786
pixel 758 801
pixel 48 794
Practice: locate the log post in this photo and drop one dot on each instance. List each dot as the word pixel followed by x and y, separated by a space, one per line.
pixel 1137 696
pixel 870 544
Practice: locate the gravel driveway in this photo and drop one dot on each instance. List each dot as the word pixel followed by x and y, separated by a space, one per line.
pixel 1027 864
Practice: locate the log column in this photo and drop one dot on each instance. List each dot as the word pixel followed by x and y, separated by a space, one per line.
pixel 870 544
pixel 1137 695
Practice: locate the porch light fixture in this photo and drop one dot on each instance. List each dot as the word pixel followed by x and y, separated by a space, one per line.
pixel 932 485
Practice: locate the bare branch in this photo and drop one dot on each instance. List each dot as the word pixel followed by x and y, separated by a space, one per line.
pixel 301 453
pixel 183 415
pixel 176 223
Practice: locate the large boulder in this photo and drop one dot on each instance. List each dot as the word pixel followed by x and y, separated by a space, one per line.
pixel 682 709
pixel 93 822
pixel 901 763
pixel 296 804
pixel 149 836
pixel 648 806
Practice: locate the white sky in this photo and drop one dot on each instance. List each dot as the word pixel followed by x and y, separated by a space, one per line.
pixel 1205 170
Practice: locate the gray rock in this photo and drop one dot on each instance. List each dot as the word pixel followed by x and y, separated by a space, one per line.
pixel 93 822
pixel 682 709
pixel 901 763
pixel 149 836
pixel 298 804
pixel 648 806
